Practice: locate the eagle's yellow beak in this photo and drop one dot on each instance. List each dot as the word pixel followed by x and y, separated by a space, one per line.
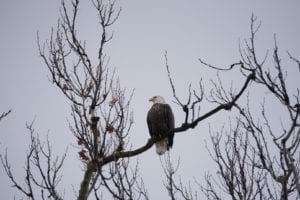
pixel 151 99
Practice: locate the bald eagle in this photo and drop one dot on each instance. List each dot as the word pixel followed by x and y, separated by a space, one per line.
pixel 160 120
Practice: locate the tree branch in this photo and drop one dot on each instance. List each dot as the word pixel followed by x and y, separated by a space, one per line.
pixel 4 114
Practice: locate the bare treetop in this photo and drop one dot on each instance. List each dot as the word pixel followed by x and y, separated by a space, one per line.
pixel 101 122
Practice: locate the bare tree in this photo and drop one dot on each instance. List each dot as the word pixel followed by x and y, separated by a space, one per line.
pixel 255 158
pixel 42 170
pixel 101 115
pixel 176 189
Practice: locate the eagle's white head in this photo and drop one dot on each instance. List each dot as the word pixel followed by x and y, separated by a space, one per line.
pixel 157 99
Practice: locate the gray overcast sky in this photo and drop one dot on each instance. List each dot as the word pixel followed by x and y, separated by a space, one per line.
pixel 186 29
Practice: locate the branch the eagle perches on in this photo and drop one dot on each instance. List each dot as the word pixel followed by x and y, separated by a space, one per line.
pixel 93 165
pixel 182 128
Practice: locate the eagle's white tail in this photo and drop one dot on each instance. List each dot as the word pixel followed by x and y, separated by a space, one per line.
pixel 161 146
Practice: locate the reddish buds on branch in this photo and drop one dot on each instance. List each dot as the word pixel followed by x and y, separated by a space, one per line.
pixel 113 102
pixel 82 155
pixel 110 129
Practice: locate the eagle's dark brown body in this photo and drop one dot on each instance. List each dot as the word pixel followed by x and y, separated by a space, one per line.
pixel 160 120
